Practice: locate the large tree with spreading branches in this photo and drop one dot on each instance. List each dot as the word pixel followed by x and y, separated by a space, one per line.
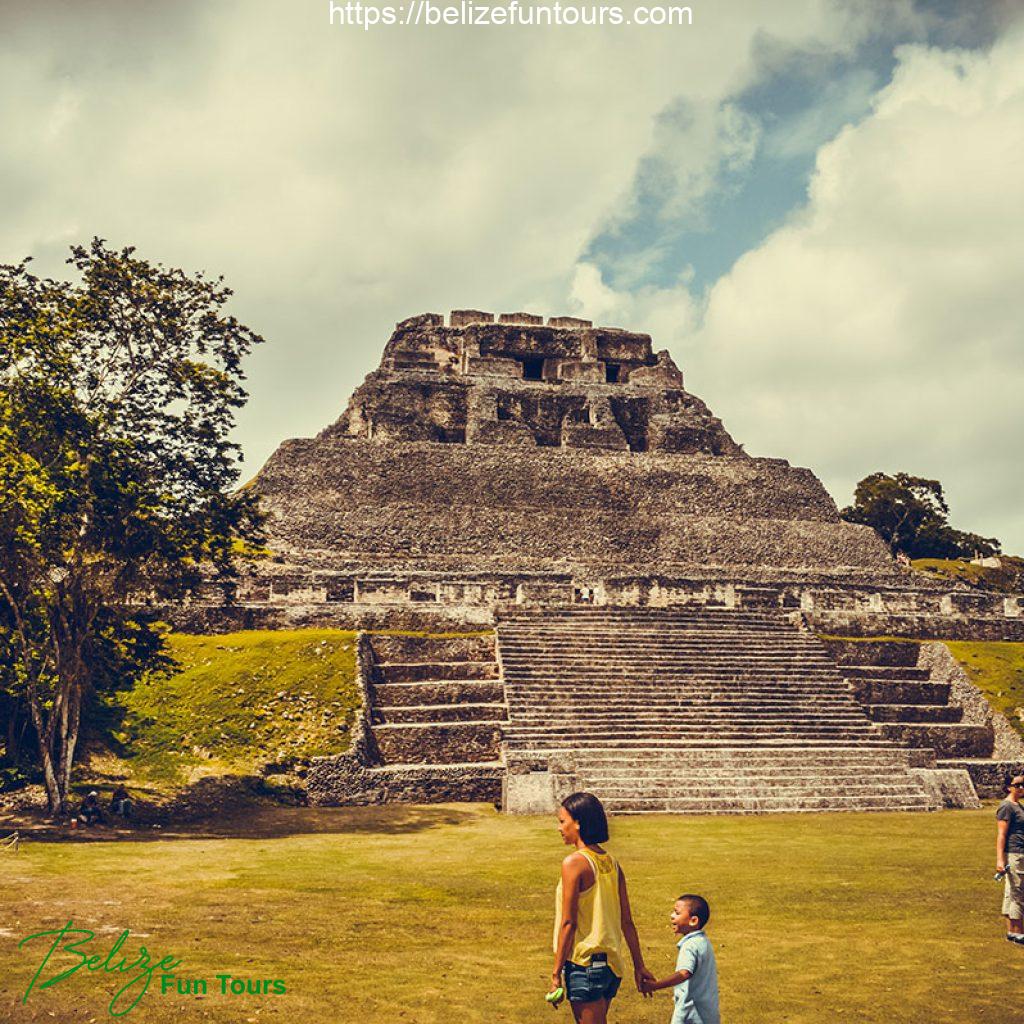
pixel 118 393
pixel 911 515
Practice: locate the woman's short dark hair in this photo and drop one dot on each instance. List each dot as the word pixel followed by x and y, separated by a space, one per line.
pixel 586 810
pixel 1009 779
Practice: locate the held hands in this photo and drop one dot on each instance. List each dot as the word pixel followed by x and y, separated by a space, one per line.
pixel 645 981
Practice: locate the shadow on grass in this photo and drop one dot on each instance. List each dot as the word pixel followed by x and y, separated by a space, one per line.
pixel 258 822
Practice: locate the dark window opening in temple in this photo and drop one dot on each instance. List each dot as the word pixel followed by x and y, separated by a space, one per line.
pixel 533 369
pixel 611 372
pixel 343 590
pixel 504 413
pixel 422 595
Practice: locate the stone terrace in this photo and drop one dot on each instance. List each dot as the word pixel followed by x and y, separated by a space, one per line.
pixel 691 710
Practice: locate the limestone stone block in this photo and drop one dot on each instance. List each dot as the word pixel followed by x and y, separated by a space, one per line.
pixel 583 435
pixel 512 433
pixel 422 320
pixel 664 373
pixel 568 321
pixel 493 366
pixel 578 370
pixel 462 317
pixel 520 318
pixel 529 793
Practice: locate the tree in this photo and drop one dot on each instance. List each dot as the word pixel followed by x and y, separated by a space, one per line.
pixel 117 397
pixel 911 515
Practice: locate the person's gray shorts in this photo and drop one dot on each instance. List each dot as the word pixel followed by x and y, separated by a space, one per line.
pixel 1013 887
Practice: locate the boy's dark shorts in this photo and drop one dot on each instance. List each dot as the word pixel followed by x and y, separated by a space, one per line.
pixel 588 984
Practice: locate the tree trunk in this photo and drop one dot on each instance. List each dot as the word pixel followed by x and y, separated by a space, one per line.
pixel 56 797
pixel 69 736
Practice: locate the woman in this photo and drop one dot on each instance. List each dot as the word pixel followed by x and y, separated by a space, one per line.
pixel 1010 857
pixel 593 919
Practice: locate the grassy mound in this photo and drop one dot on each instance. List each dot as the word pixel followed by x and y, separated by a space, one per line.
pixel 1007 578
pixel 997 669
pixel 239 701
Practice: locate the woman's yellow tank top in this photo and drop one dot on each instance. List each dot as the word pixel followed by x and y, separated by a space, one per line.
pixel 599 915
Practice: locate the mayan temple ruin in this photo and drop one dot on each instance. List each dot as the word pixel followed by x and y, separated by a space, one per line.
pixel 626 600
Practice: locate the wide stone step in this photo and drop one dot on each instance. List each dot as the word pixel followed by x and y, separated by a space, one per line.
pixel 639 690
pixel 388 647
pixel 884 691
pixel 452 691
pixel 884 672
pixel 764 805
pixel 741 666
pixel 413 671
pixel 624 709
pixel 673 722
pixel 852 753
pixel 694 648
pixel 654 632
pixel 438 743
pixel 767 789
pixel 396 714
pixel 636 737
pixel 552 702
pixel 673 694
pixel 597 673
pixel 639 623
pixel 915 712
pixel 657 730
pixel 576 748
pixel 726 774
pixel 700 613
pixel 948 741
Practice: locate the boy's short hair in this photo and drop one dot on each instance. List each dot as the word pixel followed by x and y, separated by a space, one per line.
pixel 586 810
pixel 1009 777
pixel 698 907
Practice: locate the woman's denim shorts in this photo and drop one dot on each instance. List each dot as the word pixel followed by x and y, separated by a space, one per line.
pixel 588 984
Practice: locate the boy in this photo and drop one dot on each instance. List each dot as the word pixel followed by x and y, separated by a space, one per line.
pixel 696 978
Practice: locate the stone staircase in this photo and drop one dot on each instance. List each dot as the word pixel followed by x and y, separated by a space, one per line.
pixel 436 700
pixel 913 710
pixel 693 710
pixel 431 731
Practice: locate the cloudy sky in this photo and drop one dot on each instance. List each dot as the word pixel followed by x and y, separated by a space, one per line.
pixel 816 205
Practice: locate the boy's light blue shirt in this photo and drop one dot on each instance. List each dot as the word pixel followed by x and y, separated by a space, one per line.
pixel 696 999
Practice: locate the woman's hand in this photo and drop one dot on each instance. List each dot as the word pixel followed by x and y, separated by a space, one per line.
pixel 1001 866
pixel 643 977
pixel 556 982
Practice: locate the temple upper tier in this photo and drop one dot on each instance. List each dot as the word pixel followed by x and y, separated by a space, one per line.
pixel 515 380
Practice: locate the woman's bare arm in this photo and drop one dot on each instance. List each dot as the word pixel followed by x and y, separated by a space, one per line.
pixel 573 868
pixel 641 974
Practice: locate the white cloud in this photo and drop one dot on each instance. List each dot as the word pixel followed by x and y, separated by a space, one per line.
pixel 881 328
pixel 340 179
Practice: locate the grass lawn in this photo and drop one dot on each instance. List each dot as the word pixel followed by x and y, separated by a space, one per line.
pixel 444 914
pixel 238 700
pixel 997 669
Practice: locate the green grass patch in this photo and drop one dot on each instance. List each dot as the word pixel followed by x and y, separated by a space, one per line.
pixel 444 914
pixel 1006 578
pixel 239 700
pixel 997 669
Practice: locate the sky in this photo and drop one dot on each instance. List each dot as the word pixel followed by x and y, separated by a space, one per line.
pixel 816 205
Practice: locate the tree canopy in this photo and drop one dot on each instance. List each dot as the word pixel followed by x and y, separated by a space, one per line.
pixel 911 515
pixel 118 393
